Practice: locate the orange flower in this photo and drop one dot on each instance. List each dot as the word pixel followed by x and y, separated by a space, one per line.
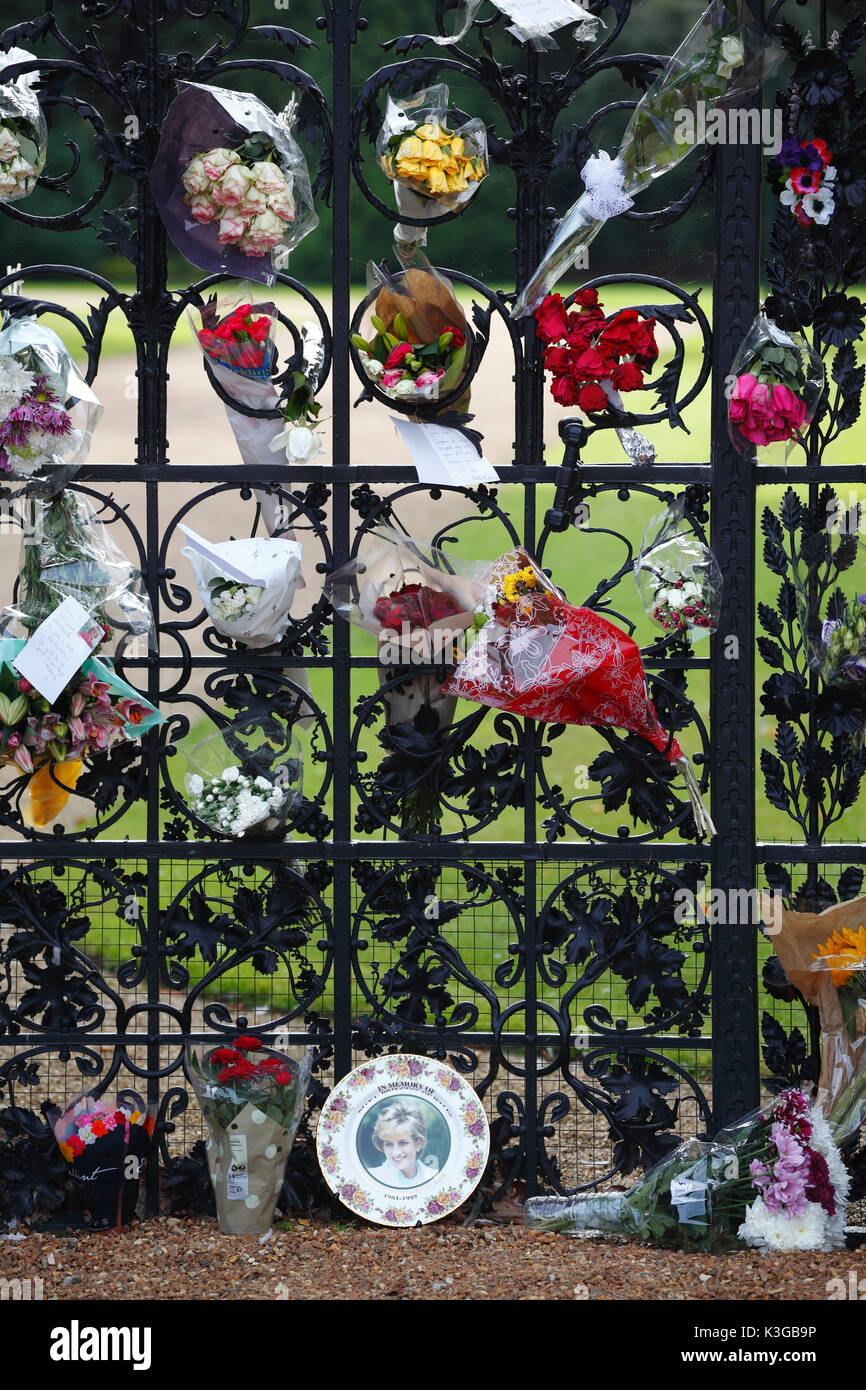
pixel 844 954
pixel 98 1128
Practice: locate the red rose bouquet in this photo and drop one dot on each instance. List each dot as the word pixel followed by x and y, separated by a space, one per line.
pixel 590 357
pixel 543 658
pixel 252 1099
pixel 241 340
pixel 411 596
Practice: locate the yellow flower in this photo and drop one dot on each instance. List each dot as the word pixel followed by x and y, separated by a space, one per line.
pixel 432 131
pixel 410 148
pixel 437 181
pixel 410 169
pixel 456 183
pixel 458 144
pixel 431 152
pixel 844 952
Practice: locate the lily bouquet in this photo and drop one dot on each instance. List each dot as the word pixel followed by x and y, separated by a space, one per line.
pixel 49 741
pixel 417 350
pixel 252 1098
pixel 775 1180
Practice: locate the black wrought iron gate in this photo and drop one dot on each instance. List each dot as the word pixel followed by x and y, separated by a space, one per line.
pixel 553 969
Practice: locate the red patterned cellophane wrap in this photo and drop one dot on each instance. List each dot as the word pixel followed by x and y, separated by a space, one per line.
pixel 543 658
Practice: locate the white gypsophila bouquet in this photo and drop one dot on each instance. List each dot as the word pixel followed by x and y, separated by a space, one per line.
pixel 234 804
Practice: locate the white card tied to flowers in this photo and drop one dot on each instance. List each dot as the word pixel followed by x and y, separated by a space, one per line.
pixel 247 585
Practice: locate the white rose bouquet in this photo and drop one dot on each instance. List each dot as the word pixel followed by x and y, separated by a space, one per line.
pixel 23 132
pixel 677 575
pixel 247 586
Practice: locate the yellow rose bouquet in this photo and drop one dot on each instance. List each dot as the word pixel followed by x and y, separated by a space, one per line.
pixel 430 159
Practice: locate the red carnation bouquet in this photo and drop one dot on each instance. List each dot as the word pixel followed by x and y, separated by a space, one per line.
pixel 241 340
pixel 590 357
pixel 252 1099
pixel 543 658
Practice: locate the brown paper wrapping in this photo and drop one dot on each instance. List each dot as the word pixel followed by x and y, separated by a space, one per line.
pixel 796 937
pixel 254 1214
pixel 428 306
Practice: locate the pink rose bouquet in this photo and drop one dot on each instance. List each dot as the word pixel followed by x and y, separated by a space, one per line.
pixel 775 384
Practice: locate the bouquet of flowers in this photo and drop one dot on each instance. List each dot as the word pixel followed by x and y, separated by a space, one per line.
pixel 417 350
pixel 417 602
pixel 837 649
pixel 543 658
pixel 252 1099
pixel 240 340
pixel 591 358
pixel 48 741
pixel 243 781
pixel 105 1146
pixel 775 1180
pixel 240 203
pixel 777 381
pixel 47 410
pixel 68 551
pixel 721 59
pixel 248 586
pixel 823 955
pixel 804 177
pixel 23 132
pixel 428 161
pixel 677 576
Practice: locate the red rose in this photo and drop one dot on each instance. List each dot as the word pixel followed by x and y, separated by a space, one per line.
pixel 223 332
pixel 270 1064
pixel 643 340
pixel 551 319
pixel 564 390
pixel 242 311
pixel 282 1078
pixel 223 1056
pixel 207 338
pixel 617 336
pixel 458 337
pixel 121 1118
pixel 246 1043
pixel 591 397
pixel 557 360
pixel 586 297
pixel 582 331
pixel 590 365
pixel 259 329
pixel 627 377
pixel 397 354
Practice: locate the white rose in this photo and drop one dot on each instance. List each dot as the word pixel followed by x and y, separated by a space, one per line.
pixel 372 366
pixel 194 178
pixel 268 176
pixel 732 56
pixel 8 183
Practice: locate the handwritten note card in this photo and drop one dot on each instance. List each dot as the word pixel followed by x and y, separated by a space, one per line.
pixel 58 648
pixel 444 457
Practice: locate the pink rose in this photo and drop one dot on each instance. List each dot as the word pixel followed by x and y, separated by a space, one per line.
pixel 268 176
pixel 194 178
pixel 251 247
pixel 203 208
pixel 283 206
pixel 254 202
pixel 215 162
pixel 265 231
pixel 397 354
pixel 789 406
pixel 232 187
pixel 232 228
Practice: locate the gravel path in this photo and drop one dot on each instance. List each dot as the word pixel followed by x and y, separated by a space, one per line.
pixel 169 1258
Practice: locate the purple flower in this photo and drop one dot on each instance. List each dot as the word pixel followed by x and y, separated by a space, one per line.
pixel 827 630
